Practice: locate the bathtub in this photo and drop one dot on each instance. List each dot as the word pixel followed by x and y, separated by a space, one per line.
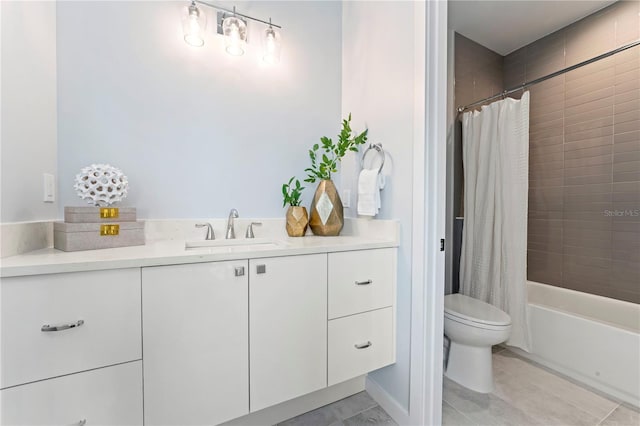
pixel 592 339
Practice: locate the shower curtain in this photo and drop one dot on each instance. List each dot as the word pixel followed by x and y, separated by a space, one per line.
pixel 493 264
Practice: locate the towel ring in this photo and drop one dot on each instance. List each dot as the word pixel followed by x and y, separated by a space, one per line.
pixel 377 147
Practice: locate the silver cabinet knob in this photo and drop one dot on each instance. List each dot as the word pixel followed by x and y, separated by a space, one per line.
pixel 367 282
pixel 261 269
pixel 239 271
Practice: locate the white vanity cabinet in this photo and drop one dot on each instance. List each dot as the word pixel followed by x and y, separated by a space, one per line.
pixel 71 348
pixel 287 327
pixel 195 340
pixel 192 343
pixel 362 288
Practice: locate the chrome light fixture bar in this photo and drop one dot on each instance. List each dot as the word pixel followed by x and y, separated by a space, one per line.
pixel 233 26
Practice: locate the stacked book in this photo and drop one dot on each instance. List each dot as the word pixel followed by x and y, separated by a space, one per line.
pixel 90 228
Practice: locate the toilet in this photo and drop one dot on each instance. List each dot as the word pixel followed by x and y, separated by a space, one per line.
pixel 472 327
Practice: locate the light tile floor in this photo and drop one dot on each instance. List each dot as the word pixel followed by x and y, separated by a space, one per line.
pixel 527 394
pixel 356 410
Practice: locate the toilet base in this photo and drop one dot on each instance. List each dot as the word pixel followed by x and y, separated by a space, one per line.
pixel 471 367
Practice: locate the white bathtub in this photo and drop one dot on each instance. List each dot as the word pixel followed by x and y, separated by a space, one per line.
pixel 592 339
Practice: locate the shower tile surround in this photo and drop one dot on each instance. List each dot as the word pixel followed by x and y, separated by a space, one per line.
pixel 584 165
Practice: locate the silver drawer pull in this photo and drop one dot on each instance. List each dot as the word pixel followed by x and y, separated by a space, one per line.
pixel 363 345
pixel 82 422
pixel 48 327
pixel 367 282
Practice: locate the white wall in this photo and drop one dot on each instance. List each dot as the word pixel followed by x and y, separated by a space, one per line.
pixel 196 131
pixel 378 89
pixel 28 135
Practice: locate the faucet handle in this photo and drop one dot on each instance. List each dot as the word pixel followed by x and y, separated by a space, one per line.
pixel 249 233
pixel 210 234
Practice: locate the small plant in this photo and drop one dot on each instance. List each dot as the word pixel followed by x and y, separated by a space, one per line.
pixel 291 192
pixel 322 168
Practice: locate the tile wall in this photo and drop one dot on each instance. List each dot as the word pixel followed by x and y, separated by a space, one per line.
pixel 584 195
pixel 584 171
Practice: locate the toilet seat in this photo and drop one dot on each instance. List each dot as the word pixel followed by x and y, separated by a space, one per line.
pixel 474 312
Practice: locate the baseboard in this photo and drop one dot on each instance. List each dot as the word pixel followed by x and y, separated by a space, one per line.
pixel 300 405
pixel 387 402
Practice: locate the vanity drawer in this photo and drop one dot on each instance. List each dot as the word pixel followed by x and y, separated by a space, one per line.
pixel 106 396
pixel 104 306
pixel 360 343
pixel 361 281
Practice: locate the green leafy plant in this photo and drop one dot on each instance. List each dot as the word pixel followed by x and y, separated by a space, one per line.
pixel 326 162
pixel 291 192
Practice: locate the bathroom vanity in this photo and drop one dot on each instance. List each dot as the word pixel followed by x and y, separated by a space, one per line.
pixel 193 336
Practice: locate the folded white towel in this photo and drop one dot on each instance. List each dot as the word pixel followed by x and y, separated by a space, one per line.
pixel 368 192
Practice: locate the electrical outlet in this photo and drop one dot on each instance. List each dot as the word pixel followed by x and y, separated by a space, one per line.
pixel 49 188
pixel 346 198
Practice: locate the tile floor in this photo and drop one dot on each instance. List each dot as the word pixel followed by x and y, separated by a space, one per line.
pixel 524 394
pixel 356 410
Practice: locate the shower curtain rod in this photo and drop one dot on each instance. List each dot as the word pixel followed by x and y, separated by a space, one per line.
pixel 523 86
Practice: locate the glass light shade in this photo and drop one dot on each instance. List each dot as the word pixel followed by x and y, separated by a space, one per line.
pixel 271 46
pixel 194 22
pixel 235 35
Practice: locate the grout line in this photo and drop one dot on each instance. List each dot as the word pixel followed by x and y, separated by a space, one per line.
pixel 360 412
pixel 610 413
pixel 461 413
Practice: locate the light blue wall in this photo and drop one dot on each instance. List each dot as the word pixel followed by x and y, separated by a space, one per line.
pixel 28 98
pixel 378 89
pixel 195 130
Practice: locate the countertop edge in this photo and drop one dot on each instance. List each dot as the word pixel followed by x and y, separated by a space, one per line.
pixel 175 257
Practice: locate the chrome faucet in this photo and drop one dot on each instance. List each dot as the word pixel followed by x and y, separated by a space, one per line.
pixel 231 233
pixel 210 234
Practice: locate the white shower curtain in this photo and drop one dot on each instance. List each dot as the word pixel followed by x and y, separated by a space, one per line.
pixel 493 264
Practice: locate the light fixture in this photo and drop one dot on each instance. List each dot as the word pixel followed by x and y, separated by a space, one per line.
pixel 234 29
pixel 235 34
pixel 194 22
pixel 271 45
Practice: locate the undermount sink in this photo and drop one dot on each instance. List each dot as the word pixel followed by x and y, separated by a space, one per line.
pixel 240 244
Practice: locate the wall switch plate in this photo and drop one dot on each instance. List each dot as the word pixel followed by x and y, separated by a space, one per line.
pixel 49 188
pixel 346 198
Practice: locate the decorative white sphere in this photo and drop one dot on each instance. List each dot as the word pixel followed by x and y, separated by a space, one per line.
pixel 101 185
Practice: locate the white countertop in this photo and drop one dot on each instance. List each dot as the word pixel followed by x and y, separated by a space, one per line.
pixel 170 252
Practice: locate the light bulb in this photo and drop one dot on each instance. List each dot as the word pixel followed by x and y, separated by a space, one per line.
pixel 194 22
pixel 271 46
pixel 235 35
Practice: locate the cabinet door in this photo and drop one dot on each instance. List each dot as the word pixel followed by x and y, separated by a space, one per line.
pixel 195 343
pixel 106 396
pixel 288 328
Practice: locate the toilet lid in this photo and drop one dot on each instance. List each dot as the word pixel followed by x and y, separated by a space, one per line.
pixel 470 309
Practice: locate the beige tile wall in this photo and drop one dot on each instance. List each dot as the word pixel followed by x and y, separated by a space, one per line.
pixel 478 71
pixel 584 196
